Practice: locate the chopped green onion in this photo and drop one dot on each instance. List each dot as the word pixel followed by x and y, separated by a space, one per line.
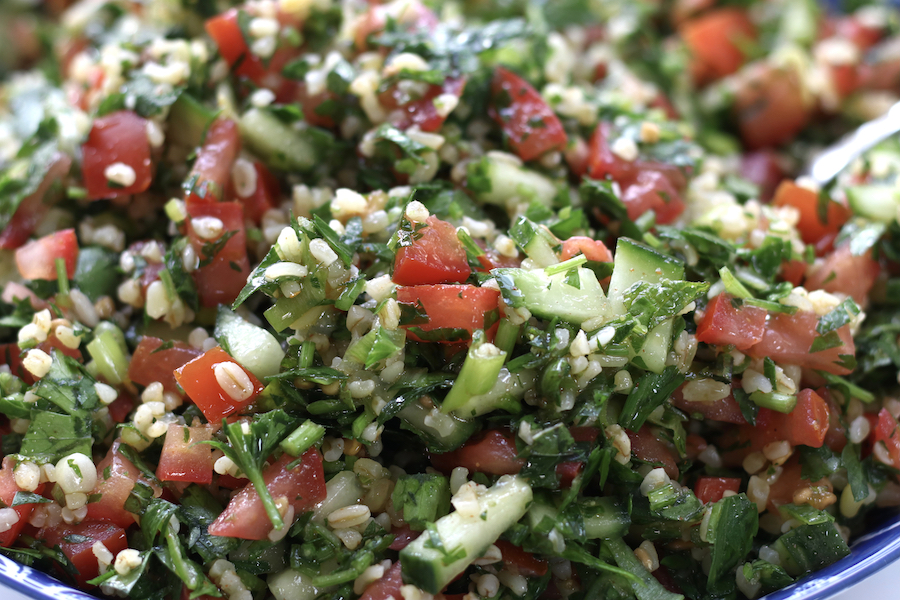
pixel 783 403
pixel 303 438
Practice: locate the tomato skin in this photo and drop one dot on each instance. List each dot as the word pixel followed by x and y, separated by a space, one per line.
pixel 435 256
pixel 492 452
pixel 647 446
pixel 121 407
pixel 113 487
pixel 264 197
pixel 119 137
pixel 712 489
pixel 184 457
pixel 420 111
pixel 886 431
pixel 788 338
pixel 211 173
pixel 811 227
pixel 198 380
pixel 8 489
pixel 226 33
pixel 724 324
pixel 452 306
pixel 763 169
pixel 149 363
pixel 33 208
pixel 654 191
pixel 523 562
pixel 225 274
pixel 530 125
pixel 387 587
pixel 726 410
pixel 806 425
pixel 770 107
pixel 592 249
pixel 81 552
pixel 845 273
pixel 304 486
pixel 37 259
pixel 403 535
pixel 715 41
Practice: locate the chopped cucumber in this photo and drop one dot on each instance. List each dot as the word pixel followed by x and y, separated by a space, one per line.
pixel 536 240
pixel 343 489
pixel 253 347
pixel 281 146
pixel 437 556
pixel 441 432
pixel 292 584
pixel 605 518
pixel 877 202
pixel 496 180
pixel 550 296
pixel 506 393
pixel 188 120
pixel 636 262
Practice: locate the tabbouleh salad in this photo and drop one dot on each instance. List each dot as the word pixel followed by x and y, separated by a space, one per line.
pixel 444 300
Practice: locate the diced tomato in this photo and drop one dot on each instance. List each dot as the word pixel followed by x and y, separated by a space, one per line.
pixel 115 479
pixel 725 324
pixel 694 446
pixel 793 271
pixel 788 339
pixel 717 41
pixel 387 587
pixel 222 276
pixel 11 355
pixel 421 110
pixel 592 249
pixel 647 446
pixel 886 432
pixel 37 259
pixel 14 292
pixel 184 457
pixel 806 425
pixel 525 563
pixel 682 10
pixel 198 380
pixel 492 452
pixel 226 33
pixel 771 107
pixel 303 486
pixel 654 191
pixel 845 273
pixel 577 155
pixel 844 78
pixel 863 35
pixel 762 168
pixel 119 137
pixel 811 227
pixel 712 489
pixel 491 259
pixel 8 490
pixel 530 125
pixel 211 173
pixel 313 111
pixel 77 543
pixel 403 535
pixel 150 363
pixel 264 197
pixel 32 208
pixel 461 307
pixel 121 407
pixel 790 482
pixel 435 255
pixel 567 471
pixel 726 410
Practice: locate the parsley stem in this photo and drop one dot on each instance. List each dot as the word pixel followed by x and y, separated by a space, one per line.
pixel 62 281
pixel 566 265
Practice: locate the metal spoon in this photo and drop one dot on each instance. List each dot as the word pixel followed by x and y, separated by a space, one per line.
pixel 834 159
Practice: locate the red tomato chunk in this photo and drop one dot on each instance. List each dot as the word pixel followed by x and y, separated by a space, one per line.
pixel 119 137
pixel 221 276
pixel 115 479
pixel 788 339
pixel 37 259
pixel 211 173
pixel 8 490
pixel 717 42
pixel 730 322
pixel 806 425
pixel 150 364
pixel 77 543
pixel 33 208
pixel 492 452
pixel 530 125
pixel 198 380
pixel 435 255
pixel 887 432
pixel 184 455
pixel 712 489
pixel 463 307
pixel 303 486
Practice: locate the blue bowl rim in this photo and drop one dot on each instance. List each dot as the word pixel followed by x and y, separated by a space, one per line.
pixel 869 554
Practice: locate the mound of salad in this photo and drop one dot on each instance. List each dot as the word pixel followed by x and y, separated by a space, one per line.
pixel 444 300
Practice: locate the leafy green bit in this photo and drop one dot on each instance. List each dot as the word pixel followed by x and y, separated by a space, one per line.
pixel 181 281
pixel 770 577
pixel 651 391
pixel 23 178
pixel 27 498
pixel 841 315
pixel 409 148
pixel 856 476
pixel 732 526
pixel 809 548
pixel 52 436
pixel 650 304
pixel 249 451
